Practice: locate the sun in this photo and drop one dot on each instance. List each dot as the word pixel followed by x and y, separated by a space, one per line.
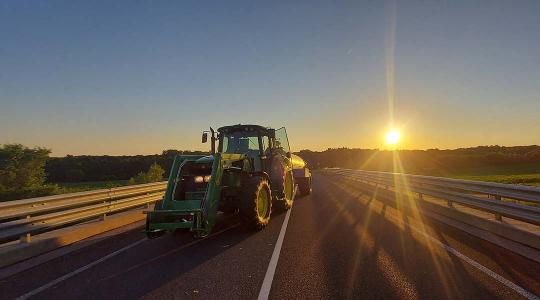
pixel 392 137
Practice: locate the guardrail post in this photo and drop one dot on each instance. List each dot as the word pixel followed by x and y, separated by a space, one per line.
pixel 498 217
pixel 420 196
pixel 104 215
pixel 27 238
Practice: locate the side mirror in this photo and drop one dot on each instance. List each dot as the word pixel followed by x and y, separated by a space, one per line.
pixel 288 154
pixel 205 137
pixel 272 133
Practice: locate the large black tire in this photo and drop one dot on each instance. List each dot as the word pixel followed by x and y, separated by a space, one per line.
pixel 304 185
pixel 285 186
pixel 256 202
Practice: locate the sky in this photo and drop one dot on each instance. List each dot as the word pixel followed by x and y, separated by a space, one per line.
pixel 138 77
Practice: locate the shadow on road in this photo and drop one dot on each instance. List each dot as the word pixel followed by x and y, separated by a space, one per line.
pixel 385 260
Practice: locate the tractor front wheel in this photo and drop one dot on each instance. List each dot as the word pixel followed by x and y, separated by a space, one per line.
pixel 256 202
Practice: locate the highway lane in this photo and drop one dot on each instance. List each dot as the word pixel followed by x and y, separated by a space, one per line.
pixel 343 244
pixel 338 244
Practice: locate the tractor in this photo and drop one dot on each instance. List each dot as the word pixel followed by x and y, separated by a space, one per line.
pixel 250 173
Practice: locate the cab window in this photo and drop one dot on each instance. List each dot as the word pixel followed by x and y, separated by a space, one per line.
pixel 239 143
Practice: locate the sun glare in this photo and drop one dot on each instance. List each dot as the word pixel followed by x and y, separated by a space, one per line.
pixel 392 137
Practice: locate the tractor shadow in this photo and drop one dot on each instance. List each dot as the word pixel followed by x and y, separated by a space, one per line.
pixel 183 264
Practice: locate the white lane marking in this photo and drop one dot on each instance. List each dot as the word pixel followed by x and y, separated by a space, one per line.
pixel 41 259
pixel 518 289
pixel 269 277
pixel 69 275
pixel 82 269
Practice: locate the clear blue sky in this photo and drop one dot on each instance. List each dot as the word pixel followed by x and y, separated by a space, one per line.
pixel 117 77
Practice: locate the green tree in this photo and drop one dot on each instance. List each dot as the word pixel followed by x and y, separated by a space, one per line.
pixel 154 174
pixel 22 172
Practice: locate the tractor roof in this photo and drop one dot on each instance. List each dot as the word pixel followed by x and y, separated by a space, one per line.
pixel 241 127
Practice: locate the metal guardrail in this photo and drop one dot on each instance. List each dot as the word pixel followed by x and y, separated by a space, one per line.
pixel 21 219
pixel 484 196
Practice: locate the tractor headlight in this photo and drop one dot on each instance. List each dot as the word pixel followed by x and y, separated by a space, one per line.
pixel 201 179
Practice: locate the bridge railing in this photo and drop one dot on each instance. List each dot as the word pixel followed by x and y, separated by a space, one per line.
pixel 21 219
pixel 503 200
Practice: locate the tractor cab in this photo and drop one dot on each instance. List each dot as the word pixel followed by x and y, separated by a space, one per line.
pixel 259 144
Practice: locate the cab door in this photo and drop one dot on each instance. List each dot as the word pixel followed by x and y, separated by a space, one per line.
pixel 281 166
pixel 266 153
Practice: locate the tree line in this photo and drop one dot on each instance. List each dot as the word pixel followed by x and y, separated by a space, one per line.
pixel 30 172
pixel 107 168
pixel 429 162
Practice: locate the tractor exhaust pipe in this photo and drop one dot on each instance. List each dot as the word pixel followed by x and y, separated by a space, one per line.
pixel 212 141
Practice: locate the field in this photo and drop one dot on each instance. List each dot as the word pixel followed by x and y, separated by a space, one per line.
pixel 524 174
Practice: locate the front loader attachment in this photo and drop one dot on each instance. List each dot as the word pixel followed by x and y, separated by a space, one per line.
pixel 192 197
pixel 189 198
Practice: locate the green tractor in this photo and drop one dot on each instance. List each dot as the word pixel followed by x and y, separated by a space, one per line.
pixel 250 173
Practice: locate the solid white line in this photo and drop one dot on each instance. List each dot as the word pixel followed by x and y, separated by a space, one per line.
pixel 43 258
pixel 269 277
pixel 518 289
pixel 69 275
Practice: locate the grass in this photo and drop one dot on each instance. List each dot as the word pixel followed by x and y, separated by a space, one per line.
pixel 73 187
pixel 523 179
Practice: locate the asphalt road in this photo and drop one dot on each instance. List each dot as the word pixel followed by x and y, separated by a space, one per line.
pixel 339 243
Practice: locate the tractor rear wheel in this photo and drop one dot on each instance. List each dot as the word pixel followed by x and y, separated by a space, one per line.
pixel 256 202
pixel 287 186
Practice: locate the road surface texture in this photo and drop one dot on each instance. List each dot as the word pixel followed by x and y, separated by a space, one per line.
pixel 339 243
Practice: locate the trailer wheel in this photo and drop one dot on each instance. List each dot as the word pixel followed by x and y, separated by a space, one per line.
pixel 287 186
pixel 304 185
pixel 256 202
